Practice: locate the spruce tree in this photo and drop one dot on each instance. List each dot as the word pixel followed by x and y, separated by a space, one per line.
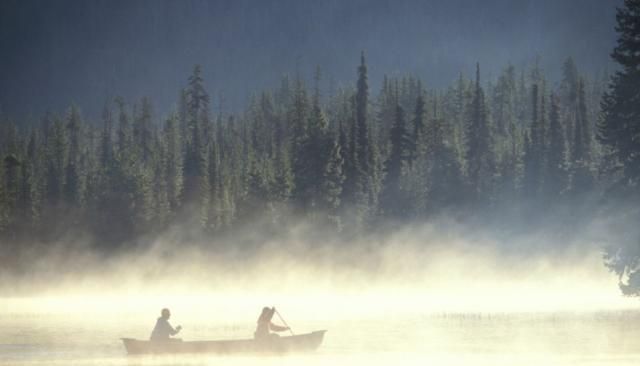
pixel 619 129
pixel 106 144
pixel 196 185
pixel 346 126
pixel 174 161
pixel 504 95
pixel 618 132
pixel 479 154
pixel 142 132
pixel 393 200
pixel 366 175
pixel 4 205
pixel 11 167
pixel 55 165
pixel 581 175
pixel 299 124
pixel 568 96
pixel 443 171
pixel 556 171
pixel 124 140
pixel 72 183
pixel 419 126
pixel 534 154
pixel 333 178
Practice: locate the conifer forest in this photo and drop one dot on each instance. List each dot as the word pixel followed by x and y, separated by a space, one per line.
pixel 348 158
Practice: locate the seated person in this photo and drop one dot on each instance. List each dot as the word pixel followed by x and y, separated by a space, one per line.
pixel 163 330
pixel 265 325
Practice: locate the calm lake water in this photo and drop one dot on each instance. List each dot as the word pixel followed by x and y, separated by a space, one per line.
pixel 89 337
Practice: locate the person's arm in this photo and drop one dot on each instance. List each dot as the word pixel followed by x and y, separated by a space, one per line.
pixel 173 331
pixel 277 328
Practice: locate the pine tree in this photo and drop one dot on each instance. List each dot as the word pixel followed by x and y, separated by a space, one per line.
pixel 442 168
pixel 106 145
pixel 124 132
pixel 318 148
pixel 161 206
pixel 215 215
pixel 196 185
pixel 32 181
pixel 581 175
pixel 72 184
pixel 365 172
pixel 55 165
pixel 419 126
pixel 394 199
pixel 142 132
pixel 504 95
pixel 480 160
pixel 618 132
pixel 11 166
pixel 333 178
pixel 386 112
pixel 556 177
pixel 4 205
pixel 534 154
pixel 142 202
pixel 619 127
pixel 303 173
pixel 346 124
pixel 174 161
pixel 569 96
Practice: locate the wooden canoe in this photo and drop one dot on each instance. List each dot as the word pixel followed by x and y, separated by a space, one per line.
pixel 296 343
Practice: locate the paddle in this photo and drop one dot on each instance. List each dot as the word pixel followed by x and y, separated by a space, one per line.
pixel 283 321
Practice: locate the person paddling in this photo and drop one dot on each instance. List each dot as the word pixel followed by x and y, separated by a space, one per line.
pixel 265 325
pixel 163 330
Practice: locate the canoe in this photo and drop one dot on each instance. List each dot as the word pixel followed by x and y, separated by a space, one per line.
pixel 296 343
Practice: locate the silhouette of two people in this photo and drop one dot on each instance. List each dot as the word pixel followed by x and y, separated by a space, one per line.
pixel 163 331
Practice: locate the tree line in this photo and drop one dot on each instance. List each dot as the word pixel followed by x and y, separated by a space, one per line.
pixel 349 160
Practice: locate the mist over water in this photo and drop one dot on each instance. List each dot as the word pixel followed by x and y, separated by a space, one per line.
pixel 443 266
pixel 422 294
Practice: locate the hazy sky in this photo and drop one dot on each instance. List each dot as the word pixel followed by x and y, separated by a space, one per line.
pixel 53 53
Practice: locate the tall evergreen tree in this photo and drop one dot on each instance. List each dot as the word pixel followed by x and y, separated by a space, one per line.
pixel 568 96
pixel 174 161
pixel 124 140
pixel 11 166
pixel 333 178
pixel 619 129
pixel 419 126
pixel 72 183
pixel 299 117
pixel 142 132
pixel 479 156
pixel 581 175
pixel 106 144
pixel 366 174
pixel 534 154
pixel 443 171
pixel 504 103
pixel 196 186
pixel 556 171
pixel 619 133
pixel 393 200
pixel 55 165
